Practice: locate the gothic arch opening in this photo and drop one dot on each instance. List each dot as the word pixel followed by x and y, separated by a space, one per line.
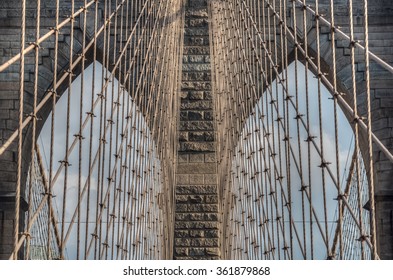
pixel 287 185
pixel 106 180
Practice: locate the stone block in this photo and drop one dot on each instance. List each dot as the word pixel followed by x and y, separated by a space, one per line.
pixel 182 233
pixel 183 115
pixel 197 233
pixel 181 208
pixel 196 40
pixel 210 157
pixel 182 198
pixel 196 179
pixel 198 12
pixel 212 233
pixel 195 58
pixel 197 252
pixel 198 136
pixel 196 189
pixel 197 105
pixel 204 242
pixel 200 31
pixel 197 147
pixel 212 251
pixel 196 50
pixel 184 242
pixel 197 158
pixel 183 136
pixel 196 67
pixel 209 136
pixel 212 199
pixel 201 85
pixel 202 208
pixel 181 251
pixel 208 115
pixel 195 198
pixel 196 168
pixel 199 22
pixel 183 158
pixel 195 116
pixel 210 216
pixel 197 3
pixel 196 95
pixel 182 217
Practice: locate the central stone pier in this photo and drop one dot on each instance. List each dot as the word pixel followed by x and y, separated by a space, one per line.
pixel 196 219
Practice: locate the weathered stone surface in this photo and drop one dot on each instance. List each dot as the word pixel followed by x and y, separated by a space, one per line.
pixel 197 105
pixel 197 233
pixel 196 40
pixel 196 125
pixel 196 67
pixel 182 251
pixel 212 233
pixel 211 199
pixel 210 157
pixel 196 217
pixel 197 252
pixel 183 242
pixel 212 251
pixel 196 168
pixel 197 147
pixel 199 22
pixel 202 208
pixel 196 178
pixel 181 199
pixel 181 208
pixel 196 50
pixel 196 95
pixel 193 225
pixel 183 136
pixel 182 233
pixel 196 209
pixel 196 85
pixel 195 116
pixel 208 115
pixel 197 31
pixel 204 242
pixel 195 58
pixel 197 136
pixel 192 208
pixel 208 189
pixel 197 157
pixel 195 76
pixel 200 12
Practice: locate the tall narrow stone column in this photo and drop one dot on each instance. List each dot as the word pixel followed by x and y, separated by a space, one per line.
pixel 196 225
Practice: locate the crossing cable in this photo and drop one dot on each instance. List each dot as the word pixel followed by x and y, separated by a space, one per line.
pixel 139 60
pixel 33 136
pixel 355 116
pixel 321 77
pixel 330 173
pixel 369 134
pixel 336 132
pixel 296 233
pixel 343 103
pixel 250 41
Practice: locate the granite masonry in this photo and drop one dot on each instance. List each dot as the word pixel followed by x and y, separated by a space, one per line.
pixel 196 223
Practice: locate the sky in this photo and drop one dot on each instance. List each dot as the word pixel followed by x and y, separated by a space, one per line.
pixel 150 161
pixel 345 152
pixel 345 143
